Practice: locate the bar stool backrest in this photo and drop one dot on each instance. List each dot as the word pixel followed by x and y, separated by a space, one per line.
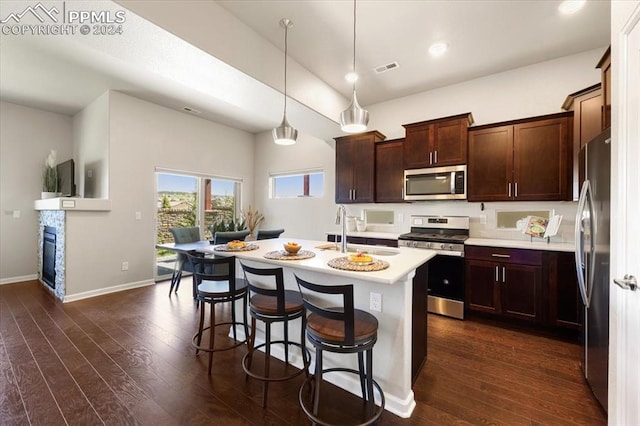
pixel 225 237
pixel 266 234
pixel 214 269
pixel 344 313
pixel 267 282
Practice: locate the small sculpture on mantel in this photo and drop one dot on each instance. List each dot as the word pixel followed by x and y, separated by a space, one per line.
pixel 49 177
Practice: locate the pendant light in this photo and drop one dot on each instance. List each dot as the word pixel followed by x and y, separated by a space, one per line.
pixel 285 134
pixel 354 119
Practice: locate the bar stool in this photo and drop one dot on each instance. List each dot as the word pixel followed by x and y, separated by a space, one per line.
pixel 217 283
pixel 340 329
pixel 270 302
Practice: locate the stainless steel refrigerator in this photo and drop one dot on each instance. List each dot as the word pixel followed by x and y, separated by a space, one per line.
pixel 592 260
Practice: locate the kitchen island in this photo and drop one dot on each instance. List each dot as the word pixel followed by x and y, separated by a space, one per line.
pixel 401 347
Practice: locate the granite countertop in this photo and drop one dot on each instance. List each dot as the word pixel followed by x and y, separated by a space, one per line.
pixel 400 264
pixel 521 244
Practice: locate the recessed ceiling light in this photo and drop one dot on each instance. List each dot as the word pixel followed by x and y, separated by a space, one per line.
pixel 351 77
pixel 569 7
pixel 438 49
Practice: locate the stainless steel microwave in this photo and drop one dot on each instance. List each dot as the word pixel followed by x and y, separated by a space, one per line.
pixel 437 183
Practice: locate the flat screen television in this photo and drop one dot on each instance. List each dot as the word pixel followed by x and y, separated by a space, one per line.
pixel 66 182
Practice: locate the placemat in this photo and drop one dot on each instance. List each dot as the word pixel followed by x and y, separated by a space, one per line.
pixel 224 247
pixel 283 255
pixel 344 264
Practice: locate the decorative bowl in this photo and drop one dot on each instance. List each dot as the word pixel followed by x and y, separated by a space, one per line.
pixel 292 247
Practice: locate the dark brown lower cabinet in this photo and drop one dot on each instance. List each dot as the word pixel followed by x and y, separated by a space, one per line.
pixel 363 240
pixel 504 289
pixel 535 286
pixel 566 308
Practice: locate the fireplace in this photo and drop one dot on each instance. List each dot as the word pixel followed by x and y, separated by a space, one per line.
pixel 49 256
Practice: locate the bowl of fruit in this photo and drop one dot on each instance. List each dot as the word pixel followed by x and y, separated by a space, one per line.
pixel 361 258
pixel 236 244
pixel 292 247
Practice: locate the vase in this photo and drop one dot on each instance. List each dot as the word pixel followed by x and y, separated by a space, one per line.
pixel 250 237
pixel 46 195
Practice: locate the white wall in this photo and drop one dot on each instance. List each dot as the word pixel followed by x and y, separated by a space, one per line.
pixel 91 149
pixel 529 91
pixel 302 217
pixel 144 136
pixel 26 137
pixel 523 92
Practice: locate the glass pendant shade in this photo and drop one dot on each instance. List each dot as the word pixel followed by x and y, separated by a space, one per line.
pixel 284 134
pixel 354 119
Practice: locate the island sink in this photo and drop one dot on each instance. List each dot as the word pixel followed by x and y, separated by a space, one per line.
pixel 356 248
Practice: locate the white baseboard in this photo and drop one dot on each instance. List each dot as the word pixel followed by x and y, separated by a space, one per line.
pixel 14 280
pixel 101 291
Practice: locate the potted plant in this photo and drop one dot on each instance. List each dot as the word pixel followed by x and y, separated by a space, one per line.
pixel 253 219
pixel 49 177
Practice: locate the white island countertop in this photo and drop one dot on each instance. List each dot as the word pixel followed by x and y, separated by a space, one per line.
pixel 521 244
pixel 402 260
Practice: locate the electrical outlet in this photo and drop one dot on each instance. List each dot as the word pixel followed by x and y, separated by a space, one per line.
pixel 125 266
pixel 483 219
pixel 375 302
pixel 138 215
pixel 16 214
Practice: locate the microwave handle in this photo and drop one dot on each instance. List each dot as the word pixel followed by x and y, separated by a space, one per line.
pixel 453 182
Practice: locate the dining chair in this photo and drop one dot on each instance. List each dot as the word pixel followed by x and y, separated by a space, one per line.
pixel 225 237
pixel 183 235
pixel 266 234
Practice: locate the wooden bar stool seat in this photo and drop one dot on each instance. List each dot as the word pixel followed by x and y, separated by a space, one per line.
pixel 270 302
pixel 217 283
pixel 340 329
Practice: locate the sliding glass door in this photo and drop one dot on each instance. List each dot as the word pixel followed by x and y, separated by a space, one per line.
pixel 187 200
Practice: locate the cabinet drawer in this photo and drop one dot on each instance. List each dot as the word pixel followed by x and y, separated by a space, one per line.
pixel 504 255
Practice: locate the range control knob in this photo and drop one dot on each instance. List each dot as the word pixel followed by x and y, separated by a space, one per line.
pixel 429 245
pixel 442 246
pixel 450 246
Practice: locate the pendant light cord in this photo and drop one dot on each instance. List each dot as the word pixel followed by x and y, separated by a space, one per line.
pixel 286 30
pixel 354 46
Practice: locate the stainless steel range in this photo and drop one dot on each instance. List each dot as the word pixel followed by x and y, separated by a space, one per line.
pixel 445 235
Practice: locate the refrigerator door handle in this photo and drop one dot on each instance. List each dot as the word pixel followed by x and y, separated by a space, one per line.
pixel 579 252
pixel 591 276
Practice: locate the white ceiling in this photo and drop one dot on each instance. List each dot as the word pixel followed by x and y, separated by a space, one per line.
pixel 484 37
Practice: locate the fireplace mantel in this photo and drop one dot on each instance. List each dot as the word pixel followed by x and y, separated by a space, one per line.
pixel 73 203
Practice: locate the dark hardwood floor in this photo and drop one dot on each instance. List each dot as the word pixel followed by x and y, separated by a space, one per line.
pixel 126 358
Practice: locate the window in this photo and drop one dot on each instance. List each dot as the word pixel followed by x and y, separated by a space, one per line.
pixel 188 199
pixel 300 184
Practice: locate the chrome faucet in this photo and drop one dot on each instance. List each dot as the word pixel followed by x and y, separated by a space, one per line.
pixel 341 219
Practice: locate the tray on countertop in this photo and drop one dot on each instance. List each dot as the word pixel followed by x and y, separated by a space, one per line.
pixel 224 247
pixel 346 265
pixel 283 255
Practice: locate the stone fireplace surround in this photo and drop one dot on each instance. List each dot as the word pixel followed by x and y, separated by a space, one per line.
pixel 55 219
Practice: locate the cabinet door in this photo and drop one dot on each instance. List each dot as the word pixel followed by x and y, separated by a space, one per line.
pixel 541 160
pixel 345 153
pixel 564 296
pixel 417 147
pixel 519 291
pixel 490 164
pixel 481 287
pixel 389 172
pixel 364 169
pixel 449 145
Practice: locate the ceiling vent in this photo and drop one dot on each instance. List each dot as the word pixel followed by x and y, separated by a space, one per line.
pixel 387 67
pixel 191 110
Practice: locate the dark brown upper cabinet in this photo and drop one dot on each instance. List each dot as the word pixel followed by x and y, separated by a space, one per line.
pixel 521 160
pixel 389 171
pixel 439 142
pixel 605 66
pixel 355 167
pixel 586 105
